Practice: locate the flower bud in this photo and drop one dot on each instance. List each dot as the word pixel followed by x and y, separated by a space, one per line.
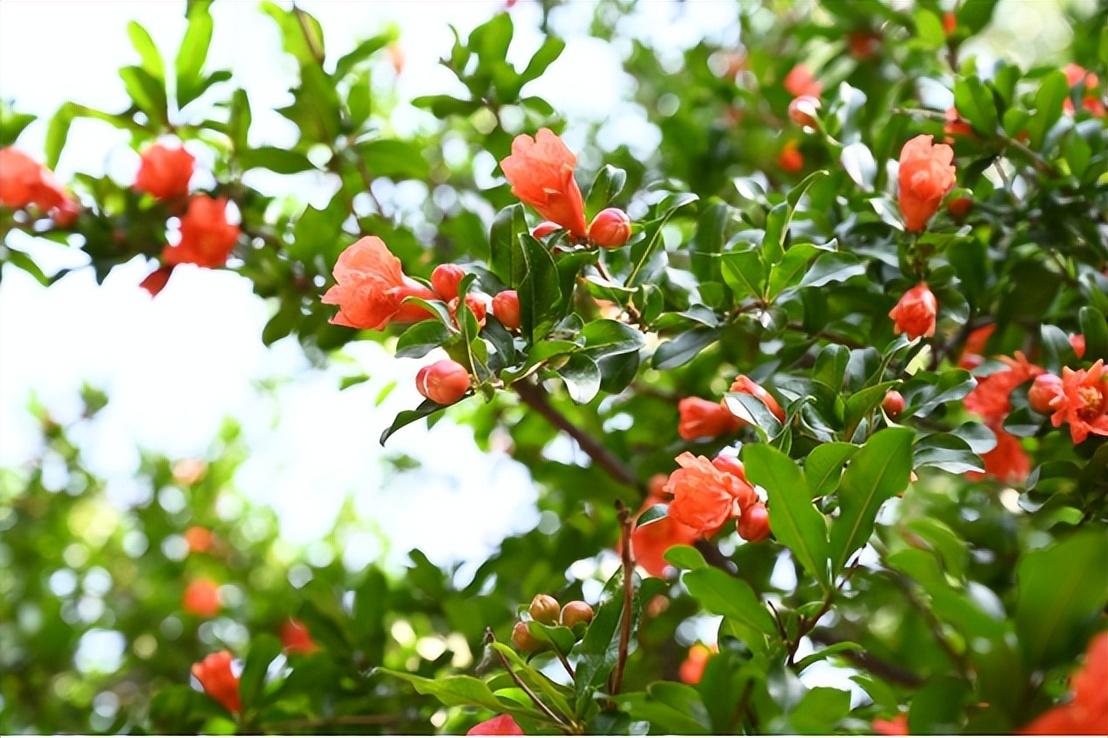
pixel 444 382
pixel 576 612
pixel 505 306
pixel 544 609
pixel 610 228
pixel 523 640
pixel 544 229
pixel 804 110
pixel 730 465
pixel 959 207
pixel 1044 389
pixel 893 404
pixel 790 159
pixel 915 312
pixel 445 280
pixel 754 523
pixel 477 304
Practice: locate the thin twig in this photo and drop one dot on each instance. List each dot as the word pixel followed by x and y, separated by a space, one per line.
pixel 628 595
pixel 535 397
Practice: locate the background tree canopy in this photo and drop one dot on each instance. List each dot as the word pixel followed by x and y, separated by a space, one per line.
pixel 807 376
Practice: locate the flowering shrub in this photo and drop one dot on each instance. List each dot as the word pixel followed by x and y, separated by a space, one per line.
pixel 833 353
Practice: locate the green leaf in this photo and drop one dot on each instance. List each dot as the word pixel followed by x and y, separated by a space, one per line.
pixel 683 348
pixel 670 708
pixel 974 15
pixel 743 272
pixel 608 184
pixel 948 603
pixel 427 407
pixel 192 53
pixel 552 47
pixel 825 653
pixel 823 466
pixel 781 216
pixel 282 161
pixel 301 33
pixel 598 650
pixel 753 411
pixel 539 293
pixel 937 707
pixel 722 594
pixel 832 267
pixel 263 649
pixel 1061 589
pixel 238 125
pixel 1095 330
pixel 975 103
pixel 12 123
pixel 57 132
pixel 820 710
pixel 1053 90
pixel 147 50
pixel 793 518
pixel 361 52
pixel 929 29
pixel 605 338
pixel 877 472
pixel 644 249
pixel 506 249
pixel 422 338
pixel 462 691
pixel 788 272
pixel 582 377
pixel 685 557
pixel 395 159
pixel 146 92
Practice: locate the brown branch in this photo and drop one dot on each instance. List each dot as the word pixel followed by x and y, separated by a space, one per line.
pixel 889 672
pixel 535 397
pixel 628 596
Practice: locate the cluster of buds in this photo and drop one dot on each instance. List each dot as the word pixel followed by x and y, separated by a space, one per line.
pixel 546 610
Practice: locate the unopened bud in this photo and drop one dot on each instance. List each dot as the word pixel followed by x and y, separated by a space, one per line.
pixel 1044 389
pixel 754 523
pixel 610 228
pixel 893 404
pixel 544 609
pixel 523 640
pixel 445 279
pixel 576 612
pixel 444 382
pixel 544 229
pixel 505 306
pixel 804 111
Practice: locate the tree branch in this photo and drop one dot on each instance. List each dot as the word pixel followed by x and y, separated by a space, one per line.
pixel 535 397
pixel 628 595
pixel 889 672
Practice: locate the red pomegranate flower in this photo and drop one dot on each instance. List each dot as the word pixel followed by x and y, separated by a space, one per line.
pixel 704 497
pixel 23 182
pixel 1087 712
pixel 201 598
pixel 926 175
pixel 991 398
pixel 692 668
pixel 540 170
pixel 1083 402
pixel 206 237
pixel 800 81
pixel 218 679
pixel 701 418
pixel 370 288
pixel 499 725
pixel 915 312
pixel 296 639
pixel 1007 461
pixel 165 172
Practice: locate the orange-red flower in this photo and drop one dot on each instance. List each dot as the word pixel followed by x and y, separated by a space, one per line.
pixel 1043 391
pixel 156 280
pixel 950 22
pixel 704 497
pixel 499 725
pixel 974 349
pixel 1083 402
pixel 1007 461
pixel 199 539
pixel 540 170
pixel 897 726
pixel 650 542
pixel 295 637
pixel 915 312
pixel 201 598
pixel 790 159
pixel 370 288
pixel 926 175
pixel 206 237
pixel 1087 712
pixel 23 182
pixel 1077 342
pixel 800 81
pixel 701 418
pixel 218 679
pixel 748 386
pixel 692 668
pixel 955 124
pixel 165 172
pixel 991 398
pixel 863 43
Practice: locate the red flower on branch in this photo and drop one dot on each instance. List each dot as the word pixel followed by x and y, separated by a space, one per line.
pixel 24 182
pixel 499 725
pixel 165 172
pixel 296 639
pixel 704 497
pixel 926 175
pixel 1082 402
pixel 701 418
pixel 991 398
pixel 1007 461
pixel 540 171
pixel 747 386
pixel 201 598
pixel 371 286
pixel 692 668
pixel 218 679
pixel 206 237
pixel 916 311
